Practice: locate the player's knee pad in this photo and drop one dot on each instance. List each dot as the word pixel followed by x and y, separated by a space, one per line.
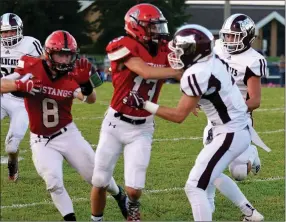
pixel 238 171
pixel 193 192
pixel 101 179
pixel 12 143
pixel 54 184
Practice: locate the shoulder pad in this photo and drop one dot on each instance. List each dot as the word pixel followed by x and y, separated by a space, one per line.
pixel 121 47
pixel 194 83
pixel 25 63
pixel 32 46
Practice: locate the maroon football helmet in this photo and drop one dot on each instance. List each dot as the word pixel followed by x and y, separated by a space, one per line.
pixel 190 44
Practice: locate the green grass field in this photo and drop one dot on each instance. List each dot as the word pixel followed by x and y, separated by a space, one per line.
pixel 175 148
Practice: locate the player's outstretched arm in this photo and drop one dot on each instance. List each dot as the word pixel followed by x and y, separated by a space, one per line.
pixel 91 98
pixel 8 85
pixel 137 65
pixel 186 105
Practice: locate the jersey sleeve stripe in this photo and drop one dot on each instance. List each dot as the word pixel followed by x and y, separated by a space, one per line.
pixel 197 85
pixel 191 86
pixel 118 54
pixel 37 48
pixel 260 66
pixel 39 44
pixel 264 67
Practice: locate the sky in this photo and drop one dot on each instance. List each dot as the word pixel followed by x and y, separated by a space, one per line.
pixel 237 2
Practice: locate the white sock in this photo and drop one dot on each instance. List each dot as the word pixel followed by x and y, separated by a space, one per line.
pixel 231 191
pixel 211 195
pixel 253 155
pixel 112 187
pixel 62 201
pixel 94 218
pixel 200 205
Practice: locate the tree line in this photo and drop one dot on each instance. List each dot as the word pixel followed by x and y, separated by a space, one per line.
pixel 42 17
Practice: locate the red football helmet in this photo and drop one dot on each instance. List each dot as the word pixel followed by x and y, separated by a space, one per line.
pixel 61 42
pixel 146 22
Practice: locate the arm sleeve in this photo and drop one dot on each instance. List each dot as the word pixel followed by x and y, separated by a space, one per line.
pixel 13 76
pixel 194 84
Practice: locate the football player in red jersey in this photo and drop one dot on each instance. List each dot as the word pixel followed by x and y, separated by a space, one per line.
pixel 138 62
pixel 56 80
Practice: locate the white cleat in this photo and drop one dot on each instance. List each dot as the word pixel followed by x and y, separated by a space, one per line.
pixel 256 216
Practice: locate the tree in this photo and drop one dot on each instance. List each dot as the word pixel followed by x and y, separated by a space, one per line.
pixel 41 18
pixel 111 21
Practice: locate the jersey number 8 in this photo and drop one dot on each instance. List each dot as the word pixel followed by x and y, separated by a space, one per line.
pixel 50 113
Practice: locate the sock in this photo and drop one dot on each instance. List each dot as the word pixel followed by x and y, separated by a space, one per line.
pixel 62 201
pixel 231 191
pixel 97 217
pixel 211 195
pixel 246 209
pixel 254 154
pixel 117 196
pixel 112 187
pixel 201 207
pixel 70 217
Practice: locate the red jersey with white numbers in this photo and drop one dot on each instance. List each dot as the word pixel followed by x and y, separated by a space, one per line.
pixel 124 80
pixel 50 110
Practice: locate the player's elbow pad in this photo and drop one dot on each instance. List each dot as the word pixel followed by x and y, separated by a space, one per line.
pixel 86 88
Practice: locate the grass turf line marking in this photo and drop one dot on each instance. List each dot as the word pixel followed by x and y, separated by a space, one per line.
pixel 48 202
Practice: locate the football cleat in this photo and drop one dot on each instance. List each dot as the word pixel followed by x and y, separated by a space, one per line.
pixel 133 211
pixel 256 216
pixel 121 201
pixel 13 173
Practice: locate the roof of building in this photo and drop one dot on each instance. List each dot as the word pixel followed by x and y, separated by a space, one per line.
pixel 85 5
pixel 212 16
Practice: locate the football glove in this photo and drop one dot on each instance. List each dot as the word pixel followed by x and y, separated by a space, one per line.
pixel 29 85
pixel 81 71
pixel 134 100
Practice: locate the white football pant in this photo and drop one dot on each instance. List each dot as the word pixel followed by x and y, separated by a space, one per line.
pixel 14 108
pixel 209 165
pixel 238 167
pixel 135 141
pixel 48 160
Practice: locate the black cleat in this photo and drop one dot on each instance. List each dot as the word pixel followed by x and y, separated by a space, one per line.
pixel 13 172
pixel 121 201
pixel 133 211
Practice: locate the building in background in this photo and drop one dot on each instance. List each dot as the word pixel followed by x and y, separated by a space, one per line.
pixel 269 20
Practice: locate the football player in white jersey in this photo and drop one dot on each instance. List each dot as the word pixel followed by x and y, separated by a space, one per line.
pixel 206 82
pixel 247 66
pixel 13 46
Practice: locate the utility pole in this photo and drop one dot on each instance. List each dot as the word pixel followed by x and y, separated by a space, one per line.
pixel 226 9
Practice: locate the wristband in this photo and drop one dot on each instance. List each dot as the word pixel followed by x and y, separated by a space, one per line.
pixel 151 107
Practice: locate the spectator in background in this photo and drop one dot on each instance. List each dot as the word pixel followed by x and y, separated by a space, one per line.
pixel 107 69
pixel 282 70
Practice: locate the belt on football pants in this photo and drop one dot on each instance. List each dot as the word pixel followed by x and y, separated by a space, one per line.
pixel 128 120
pixel 53 136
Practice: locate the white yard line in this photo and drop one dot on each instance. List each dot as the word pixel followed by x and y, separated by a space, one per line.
pixel 47 202
pixel 199 138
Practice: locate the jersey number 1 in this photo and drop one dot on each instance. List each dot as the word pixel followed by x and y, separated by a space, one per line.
pixel 139 81
pixel 50 113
